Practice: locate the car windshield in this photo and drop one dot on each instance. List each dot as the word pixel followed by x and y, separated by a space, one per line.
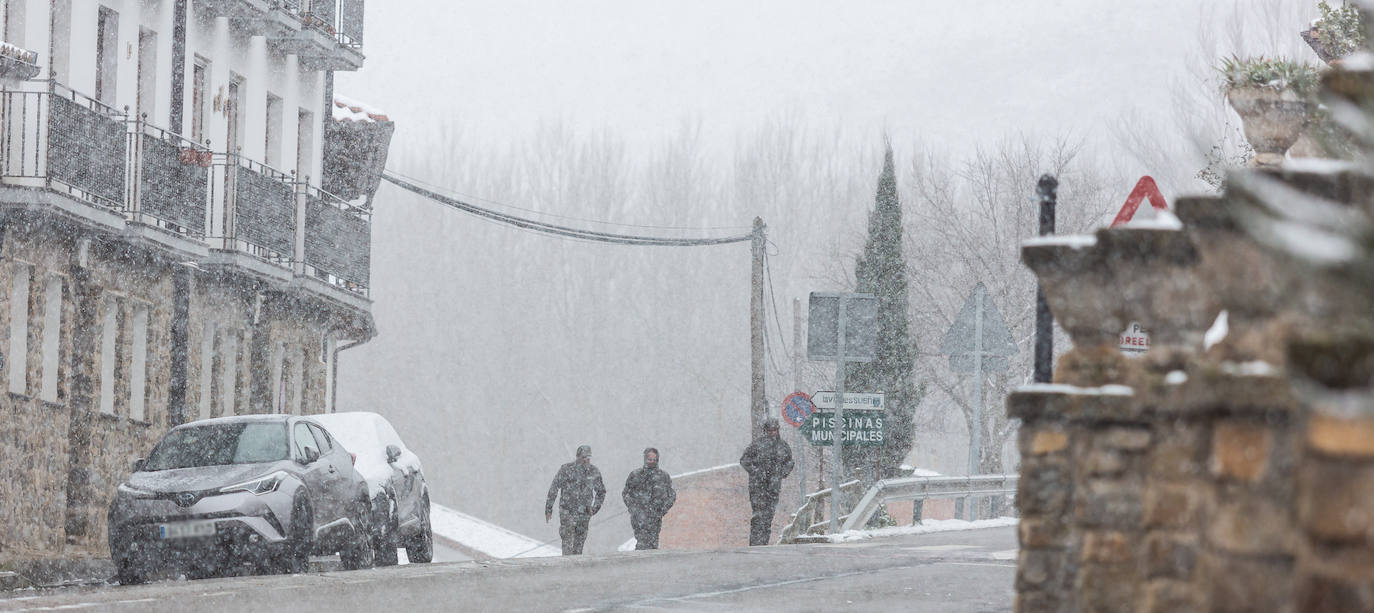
pixel 219 444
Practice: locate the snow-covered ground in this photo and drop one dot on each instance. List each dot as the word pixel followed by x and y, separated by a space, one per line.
pixel 485 537
pixel 926 527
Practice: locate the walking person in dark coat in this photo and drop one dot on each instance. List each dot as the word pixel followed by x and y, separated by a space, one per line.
pixel 582 494
pixel 767 460
pixel 648 494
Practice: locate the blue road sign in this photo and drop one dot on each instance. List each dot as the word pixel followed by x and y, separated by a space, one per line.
pixel 796 408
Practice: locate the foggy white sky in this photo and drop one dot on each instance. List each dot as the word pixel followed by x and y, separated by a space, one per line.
pixel 948 71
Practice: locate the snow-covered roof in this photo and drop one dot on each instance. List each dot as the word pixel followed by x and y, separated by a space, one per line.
pixel 347 109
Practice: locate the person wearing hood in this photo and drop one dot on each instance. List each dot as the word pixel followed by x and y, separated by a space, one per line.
pixel 582 492
pixel 767 460
pixel 648 494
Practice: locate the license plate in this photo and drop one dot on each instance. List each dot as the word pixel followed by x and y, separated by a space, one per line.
pixel 186 529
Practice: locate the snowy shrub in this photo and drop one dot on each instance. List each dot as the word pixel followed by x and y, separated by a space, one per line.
pixel 1339 30
pixel 1273 73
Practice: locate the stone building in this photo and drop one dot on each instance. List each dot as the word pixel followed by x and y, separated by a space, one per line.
pixel 184 233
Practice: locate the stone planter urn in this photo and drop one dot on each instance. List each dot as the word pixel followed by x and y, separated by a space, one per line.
pixel 1273 120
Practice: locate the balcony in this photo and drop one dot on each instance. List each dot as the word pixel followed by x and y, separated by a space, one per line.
pixel 65 142
pixel 330 36
pixel 338 241
pixel 88 162
pixel 266 17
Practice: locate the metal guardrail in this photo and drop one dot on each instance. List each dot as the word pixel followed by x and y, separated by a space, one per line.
pixel 921 488
pixel 809 519
pixel 805 522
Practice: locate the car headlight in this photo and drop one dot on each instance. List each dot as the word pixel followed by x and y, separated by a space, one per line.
pixel 259 486
pixel 133 492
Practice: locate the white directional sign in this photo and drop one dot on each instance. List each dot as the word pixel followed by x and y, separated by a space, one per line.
pixel 852 401
pixel 1135 340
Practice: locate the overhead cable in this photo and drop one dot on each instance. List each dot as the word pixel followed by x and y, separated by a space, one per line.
pixel 557 230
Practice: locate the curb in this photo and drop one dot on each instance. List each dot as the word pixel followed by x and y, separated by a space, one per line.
pixel 56 572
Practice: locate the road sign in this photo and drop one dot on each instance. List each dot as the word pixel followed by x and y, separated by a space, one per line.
pixel 854 314
pixel 796 407
pixel 962 341
pixel 1135 340
pixel 852 401
pixel 864 429
pixel 1144 188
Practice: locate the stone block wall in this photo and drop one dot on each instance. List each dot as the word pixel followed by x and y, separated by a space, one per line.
pixel 1177 498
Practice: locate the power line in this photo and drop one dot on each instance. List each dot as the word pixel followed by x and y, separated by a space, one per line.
pixel 557 230
pixel 498 203
pixel 773 297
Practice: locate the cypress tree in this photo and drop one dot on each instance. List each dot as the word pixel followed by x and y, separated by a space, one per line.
pixel 881 271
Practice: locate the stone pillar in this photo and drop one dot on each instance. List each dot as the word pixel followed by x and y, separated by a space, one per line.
pixel 1250 527
pixel 1044 573
pixel 1335 561
pixel 1108 443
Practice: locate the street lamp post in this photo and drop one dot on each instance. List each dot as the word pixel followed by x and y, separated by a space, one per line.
pixel 1044 321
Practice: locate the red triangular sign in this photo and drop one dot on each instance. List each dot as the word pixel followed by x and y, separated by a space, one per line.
pixel 1144 188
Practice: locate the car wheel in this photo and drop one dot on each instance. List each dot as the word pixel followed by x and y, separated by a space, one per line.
pixel 384 537
pixel 295 556
pixel 358 554
pixel 127 574
pixel 420 548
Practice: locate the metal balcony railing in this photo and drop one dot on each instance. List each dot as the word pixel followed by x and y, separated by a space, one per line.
pixel 255 209
pixel 341 20
pixel 65 141
pixel 170 182
pixel 338 240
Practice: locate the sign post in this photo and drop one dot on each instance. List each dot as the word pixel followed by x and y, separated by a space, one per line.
pixel 978 342
pixel 841 327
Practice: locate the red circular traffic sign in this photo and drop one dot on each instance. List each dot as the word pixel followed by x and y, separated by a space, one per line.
pixel 796 408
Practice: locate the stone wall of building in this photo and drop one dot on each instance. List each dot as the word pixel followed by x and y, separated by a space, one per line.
pixel 64 458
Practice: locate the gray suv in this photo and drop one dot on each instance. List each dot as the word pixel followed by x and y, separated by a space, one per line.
pixel 216 494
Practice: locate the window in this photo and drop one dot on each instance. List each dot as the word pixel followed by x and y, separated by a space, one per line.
pixel 279 379
pixel 233 111
pixel 18 359
pixel 305 144
pixel 52 338
pixel 272 154
pixel 199 98
pixel 304 439
pixel 322 437
pixel 14 22
pixel 109 335
pixel 147 73
pixel 61 32
pixel 138 376
pixel 327 356
pixel 229 354
pixel 296 384
pixel 207 367
pixel 106 55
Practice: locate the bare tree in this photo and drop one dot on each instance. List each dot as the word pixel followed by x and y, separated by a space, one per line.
pixel 966 226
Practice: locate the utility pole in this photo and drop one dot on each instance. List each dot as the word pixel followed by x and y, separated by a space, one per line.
pixel 1044 321
pixel 758 409
pixel 797 386
pixel 976 434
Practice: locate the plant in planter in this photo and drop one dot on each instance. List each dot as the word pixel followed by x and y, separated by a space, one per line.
pixel 1273 97
pixel 1337 33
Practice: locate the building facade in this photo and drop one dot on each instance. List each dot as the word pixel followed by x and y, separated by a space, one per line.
pixel 184 233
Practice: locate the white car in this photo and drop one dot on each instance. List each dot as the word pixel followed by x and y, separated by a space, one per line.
pixel 395 481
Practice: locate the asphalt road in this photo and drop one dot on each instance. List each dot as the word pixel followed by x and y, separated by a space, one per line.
pixel 951 571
